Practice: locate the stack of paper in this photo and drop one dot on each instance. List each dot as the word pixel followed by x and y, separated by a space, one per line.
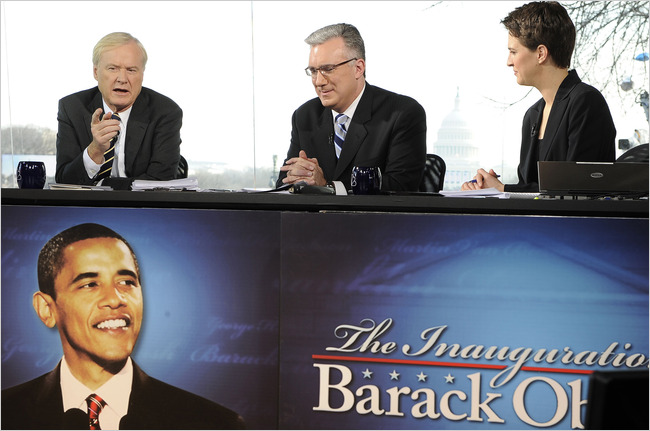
pixel 482 193
pixel 180 184
pixel 489 193
pixel 58 186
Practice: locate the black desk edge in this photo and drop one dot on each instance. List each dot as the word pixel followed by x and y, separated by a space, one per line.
pixel 317 203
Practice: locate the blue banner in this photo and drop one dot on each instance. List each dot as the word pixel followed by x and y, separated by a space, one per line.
pixel 361 321
pixel 211 289
pixel 456 322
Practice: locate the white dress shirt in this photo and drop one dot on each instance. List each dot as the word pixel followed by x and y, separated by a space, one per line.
pixel 350 111
pixel 115 392
pixel 338 185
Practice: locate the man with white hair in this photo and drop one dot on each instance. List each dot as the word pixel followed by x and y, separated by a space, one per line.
pixel 118 129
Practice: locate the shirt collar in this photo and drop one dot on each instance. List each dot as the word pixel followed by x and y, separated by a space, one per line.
pixel 113 391
pixel 353 106
pixel 124 115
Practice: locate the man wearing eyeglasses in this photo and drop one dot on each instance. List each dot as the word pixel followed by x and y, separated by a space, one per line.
pixel 378 128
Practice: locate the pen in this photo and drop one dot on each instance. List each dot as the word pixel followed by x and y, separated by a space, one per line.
pixel 473 181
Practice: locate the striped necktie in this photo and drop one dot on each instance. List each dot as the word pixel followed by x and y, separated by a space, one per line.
pixel 109 155
pixel 339 133
pixel 95 405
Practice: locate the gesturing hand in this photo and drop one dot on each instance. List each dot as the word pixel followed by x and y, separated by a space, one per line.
pixel 103 130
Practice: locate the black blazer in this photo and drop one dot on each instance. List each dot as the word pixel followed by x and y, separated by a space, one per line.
pixel 579 128
pixel 153 136
pixel 387 130
pixel 38 404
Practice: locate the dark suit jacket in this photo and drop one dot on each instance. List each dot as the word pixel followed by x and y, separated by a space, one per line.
pixel 38 404
pixel 579 128
pixel 387 130
pixel 153 136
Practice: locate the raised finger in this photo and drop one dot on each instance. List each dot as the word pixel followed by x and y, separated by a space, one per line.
pixel 95 117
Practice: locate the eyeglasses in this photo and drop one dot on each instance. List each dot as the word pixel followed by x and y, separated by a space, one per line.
pixel 325 69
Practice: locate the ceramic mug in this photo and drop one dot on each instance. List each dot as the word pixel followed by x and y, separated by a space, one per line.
pixel 366 180
pixel 30 175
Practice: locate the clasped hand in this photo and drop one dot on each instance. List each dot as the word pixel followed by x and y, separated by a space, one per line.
pixel 302 168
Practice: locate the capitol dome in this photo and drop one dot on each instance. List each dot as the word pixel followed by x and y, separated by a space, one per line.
pixel 456 146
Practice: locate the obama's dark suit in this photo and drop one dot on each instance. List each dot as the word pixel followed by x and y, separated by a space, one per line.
pixel 38 404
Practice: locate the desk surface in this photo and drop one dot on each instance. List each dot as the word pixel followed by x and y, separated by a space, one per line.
pixel 314 203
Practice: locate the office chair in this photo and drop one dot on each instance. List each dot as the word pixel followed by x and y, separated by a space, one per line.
pixel 638 154
pixel 434 174
pixel 182 168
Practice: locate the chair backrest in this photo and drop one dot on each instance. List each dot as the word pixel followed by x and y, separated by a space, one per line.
pixel 638 154
pixel 182 168
pixel 434 174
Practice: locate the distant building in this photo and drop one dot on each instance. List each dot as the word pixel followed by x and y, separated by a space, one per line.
pixel 456 146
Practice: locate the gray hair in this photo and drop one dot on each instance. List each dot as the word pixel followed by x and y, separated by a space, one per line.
pixel 113 40
pixel 349 33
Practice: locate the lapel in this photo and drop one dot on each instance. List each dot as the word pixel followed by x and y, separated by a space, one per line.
pixel 325 133
pixel 141 413
pixel 534 154
pixel 357 132
pixel 49 398
pixel 560 104
pixel 95 103
pixel 136 128
pixel 49 403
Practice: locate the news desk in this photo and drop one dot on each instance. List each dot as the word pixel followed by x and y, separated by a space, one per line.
pixel 315 203
pixel 358 312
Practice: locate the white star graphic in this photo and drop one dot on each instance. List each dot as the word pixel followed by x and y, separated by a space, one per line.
pixel 394 375
pixel 449 378
pixel 367 373
pixel 422 377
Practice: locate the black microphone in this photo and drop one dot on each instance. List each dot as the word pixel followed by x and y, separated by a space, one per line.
pixel 75 419
pixel 533 130
pixel 331 140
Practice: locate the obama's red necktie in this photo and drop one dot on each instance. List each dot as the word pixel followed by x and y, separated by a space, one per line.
pixel 95 405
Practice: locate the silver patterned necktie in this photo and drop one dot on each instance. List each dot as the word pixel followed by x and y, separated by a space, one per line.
pixel 339 133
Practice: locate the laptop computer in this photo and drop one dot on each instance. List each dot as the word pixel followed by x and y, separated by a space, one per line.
pixel 593 179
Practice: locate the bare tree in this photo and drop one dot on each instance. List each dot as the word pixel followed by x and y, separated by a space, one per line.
pixel 609 36
pixel 28 140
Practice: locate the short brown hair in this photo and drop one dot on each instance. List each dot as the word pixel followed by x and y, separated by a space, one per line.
pixel 544 23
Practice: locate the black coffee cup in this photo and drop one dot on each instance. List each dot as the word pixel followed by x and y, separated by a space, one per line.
pixel 30 175
pixel 366 180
